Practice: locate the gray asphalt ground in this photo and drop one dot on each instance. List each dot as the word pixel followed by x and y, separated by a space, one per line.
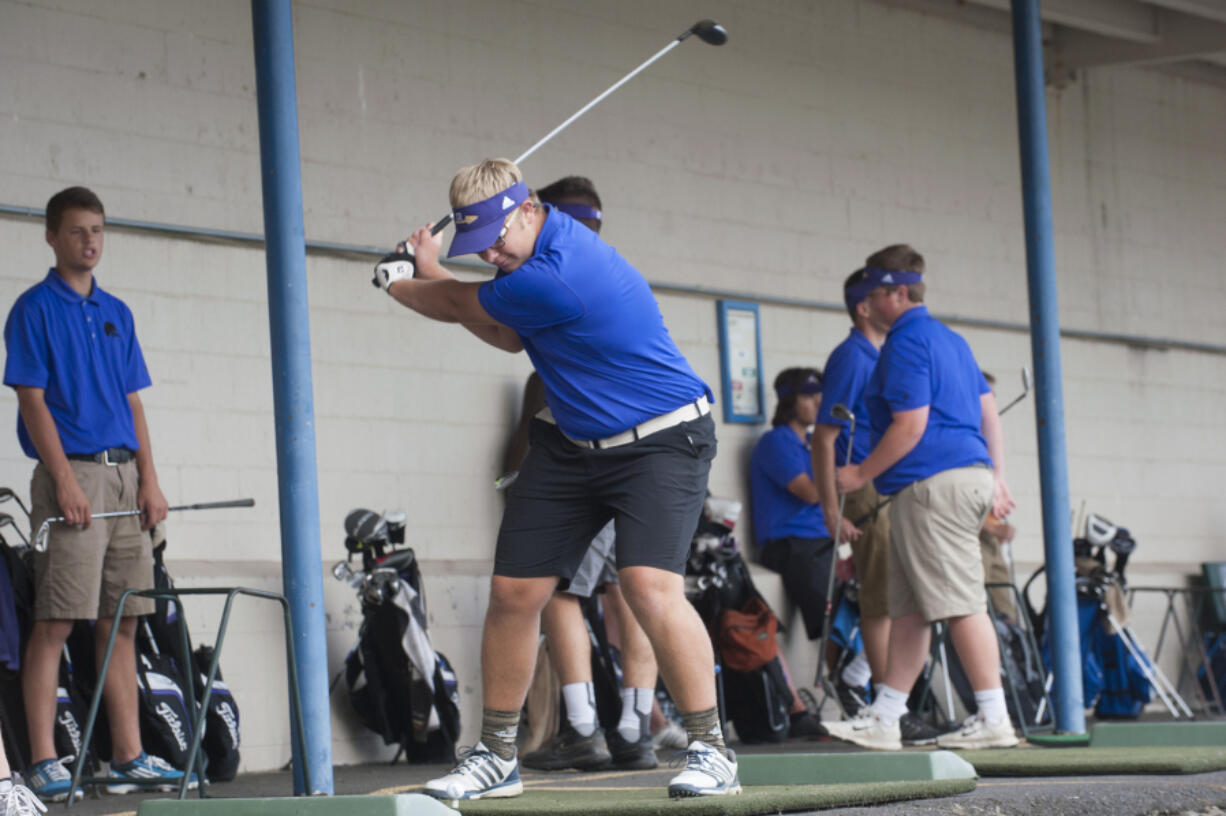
pixel 1088 795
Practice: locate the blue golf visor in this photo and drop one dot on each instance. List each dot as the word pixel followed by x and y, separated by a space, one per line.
pixel 477 225
pixel 877 276
pixel 580 211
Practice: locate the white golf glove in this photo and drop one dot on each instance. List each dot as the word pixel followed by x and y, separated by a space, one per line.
pixel 393 267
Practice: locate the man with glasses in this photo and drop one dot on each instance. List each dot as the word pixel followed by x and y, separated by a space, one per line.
pixel 626 435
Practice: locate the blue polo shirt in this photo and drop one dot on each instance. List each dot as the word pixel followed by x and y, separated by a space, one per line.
pixel 843 380
pixel 594 332
pixel 778 458
pixel 83 352
pixel 924 362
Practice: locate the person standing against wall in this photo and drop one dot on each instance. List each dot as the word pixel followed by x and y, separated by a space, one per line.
pixel 76 365
pixel 938 450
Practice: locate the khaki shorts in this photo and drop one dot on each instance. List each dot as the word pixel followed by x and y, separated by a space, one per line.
pixel 871 551
pixel 935 565
pixel 83 572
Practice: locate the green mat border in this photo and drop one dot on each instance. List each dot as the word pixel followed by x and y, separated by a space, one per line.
pixel 1097 761
pixel 759 799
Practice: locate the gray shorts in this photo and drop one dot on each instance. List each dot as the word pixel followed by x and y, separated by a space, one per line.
pixel 598 567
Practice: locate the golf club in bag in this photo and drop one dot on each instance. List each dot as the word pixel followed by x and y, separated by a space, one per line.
pixel 44 529
pixel 399 264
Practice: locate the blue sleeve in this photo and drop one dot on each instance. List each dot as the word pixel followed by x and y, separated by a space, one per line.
pixel 841 382
pixel 136 374
pixel 28 361
pixel 531 298
pixel 908 375
pixel 781 460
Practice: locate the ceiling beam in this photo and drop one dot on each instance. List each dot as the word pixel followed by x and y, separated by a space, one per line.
pixel 1181 37
pixel 1209 9
pixel 1122 19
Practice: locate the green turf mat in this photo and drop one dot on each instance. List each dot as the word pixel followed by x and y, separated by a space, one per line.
pixel 1081 761
pixel 1158 734
pixel 1059 740
pixel 850 768
pixel 754 800
pixel 409 804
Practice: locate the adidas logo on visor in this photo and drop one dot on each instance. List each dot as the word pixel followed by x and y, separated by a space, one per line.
pixel 888 278
pixel 507 202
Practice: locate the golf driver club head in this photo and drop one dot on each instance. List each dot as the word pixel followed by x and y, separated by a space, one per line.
pixel 709 32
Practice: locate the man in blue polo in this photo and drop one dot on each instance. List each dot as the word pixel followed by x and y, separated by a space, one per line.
pixel 76 366
pixel 938 451
pixel 846 374
pixel 626 435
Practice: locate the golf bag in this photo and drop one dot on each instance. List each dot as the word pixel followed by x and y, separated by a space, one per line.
pixel 743 628
pixel 400 687
pixel 1115 674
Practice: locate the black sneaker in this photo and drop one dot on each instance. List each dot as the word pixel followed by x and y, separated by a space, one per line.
pixel 851 699
pixel 805 725
pixel 637 756
pixel 916 731
pixel 569 750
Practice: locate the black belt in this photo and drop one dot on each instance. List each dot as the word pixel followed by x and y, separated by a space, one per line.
pixel 110 456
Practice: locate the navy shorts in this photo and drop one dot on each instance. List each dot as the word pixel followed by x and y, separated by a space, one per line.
pixel 804 564
pixel 653 489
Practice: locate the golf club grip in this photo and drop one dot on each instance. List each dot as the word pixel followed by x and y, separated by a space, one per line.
pixel 441 224
pixel 216 505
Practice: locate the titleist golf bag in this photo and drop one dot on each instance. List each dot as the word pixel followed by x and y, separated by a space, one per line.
pixel 1115 671
pixel 400 687
pixel 755 694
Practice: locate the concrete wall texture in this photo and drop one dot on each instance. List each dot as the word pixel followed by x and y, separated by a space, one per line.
pixel 772 166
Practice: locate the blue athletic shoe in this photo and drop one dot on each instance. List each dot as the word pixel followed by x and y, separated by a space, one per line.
pixel 50 780
pixel 146 768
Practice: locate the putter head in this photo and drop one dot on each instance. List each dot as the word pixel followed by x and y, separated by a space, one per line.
pixel 708 31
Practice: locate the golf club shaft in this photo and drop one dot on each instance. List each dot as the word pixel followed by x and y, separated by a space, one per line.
pixel 828 621
pixel 40 537
pixel 442 223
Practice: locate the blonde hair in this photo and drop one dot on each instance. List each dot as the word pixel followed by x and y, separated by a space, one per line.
pixel 480 181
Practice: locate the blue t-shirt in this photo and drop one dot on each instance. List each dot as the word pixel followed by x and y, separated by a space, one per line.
pixel 924 362
pixel 83 352
pixel 847 371
pixel 594 332
pixel 778 458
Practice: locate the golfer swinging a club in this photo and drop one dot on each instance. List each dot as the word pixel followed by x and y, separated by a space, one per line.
pixel 626 435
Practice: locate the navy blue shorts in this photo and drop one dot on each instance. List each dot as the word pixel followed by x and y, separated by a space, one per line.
pixel 653 489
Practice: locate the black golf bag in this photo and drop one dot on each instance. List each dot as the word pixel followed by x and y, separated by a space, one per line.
pixel 754 694
pixel 400 687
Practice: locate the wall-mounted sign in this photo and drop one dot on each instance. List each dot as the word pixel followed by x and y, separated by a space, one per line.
pixel 740 353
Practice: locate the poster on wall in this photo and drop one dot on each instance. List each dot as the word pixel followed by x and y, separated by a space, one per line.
pixel 740 352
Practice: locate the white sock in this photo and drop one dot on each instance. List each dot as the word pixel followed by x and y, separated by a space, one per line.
pixel 6 785
pixel 890 704
pixel 857 673
pixel 636 712
pixel 992 706
pixel 580 707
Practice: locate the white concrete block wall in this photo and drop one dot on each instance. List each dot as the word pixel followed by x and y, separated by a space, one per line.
pixel 773 165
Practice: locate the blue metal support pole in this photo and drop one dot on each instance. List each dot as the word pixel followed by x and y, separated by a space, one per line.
pixel 293 400
pixel 1067 697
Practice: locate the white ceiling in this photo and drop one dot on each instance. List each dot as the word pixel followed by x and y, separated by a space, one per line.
pixel 1184 36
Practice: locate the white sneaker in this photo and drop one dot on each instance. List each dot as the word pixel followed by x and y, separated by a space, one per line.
pixel 670 737
pixel 868 730
pixel 478 774
pixel 707 773
pixel 19 800
pixel 976 732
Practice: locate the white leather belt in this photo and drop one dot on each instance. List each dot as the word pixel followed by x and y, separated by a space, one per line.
pixel 686 413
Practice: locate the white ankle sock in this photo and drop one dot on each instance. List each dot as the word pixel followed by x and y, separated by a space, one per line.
pixel 857 673
pixel 991 704
pixel 580 707
pixel 636 712
pixel 890 704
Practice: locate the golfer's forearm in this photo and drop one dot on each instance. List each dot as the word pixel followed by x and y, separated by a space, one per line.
pixel 898 440
pixel 824 464
pixel 993 433
pixel 144 450
pixel 43 433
